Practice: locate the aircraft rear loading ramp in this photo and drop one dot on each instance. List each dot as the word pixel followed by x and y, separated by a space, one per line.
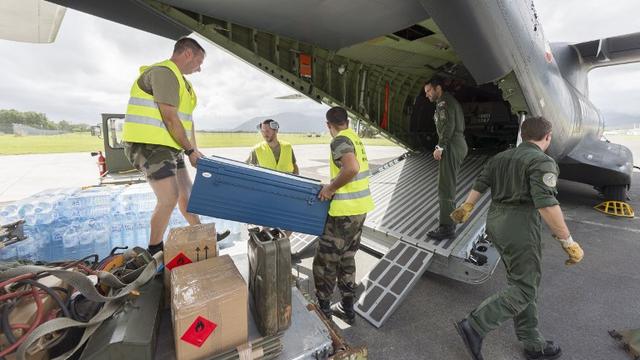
pixel 405 192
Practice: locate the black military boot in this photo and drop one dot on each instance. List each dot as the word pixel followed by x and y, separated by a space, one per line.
pixel 551 351
pixel 344 310
pixel 325 307
pixel 472 340
pixel 443 232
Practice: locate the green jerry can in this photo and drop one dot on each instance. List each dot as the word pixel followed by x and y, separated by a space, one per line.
pixel 270 279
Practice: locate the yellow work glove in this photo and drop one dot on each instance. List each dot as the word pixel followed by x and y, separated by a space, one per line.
pixel 572 249
pixel 462 213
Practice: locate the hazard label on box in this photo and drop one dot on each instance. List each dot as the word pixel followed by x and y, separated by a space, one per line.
pixel 199 331
pixel 178 260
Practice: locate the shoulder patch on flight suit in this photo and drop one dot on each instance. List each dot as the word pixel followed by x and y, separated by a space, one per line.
pixel 550 179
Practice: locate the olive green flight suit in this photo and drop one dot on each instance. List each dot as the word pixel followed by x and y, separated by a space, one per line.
pixel 521 180
pixel 449 120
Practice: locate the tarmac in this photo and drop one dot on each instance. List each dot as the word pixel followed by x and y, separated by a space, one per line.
pixel 577 305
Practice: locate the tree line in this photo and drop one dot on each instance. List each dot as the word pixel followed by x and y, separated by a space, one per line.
pixel 35 120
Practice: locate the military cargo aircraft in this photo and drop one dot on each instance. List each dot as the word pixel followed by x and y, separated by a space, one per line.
pixel 373 58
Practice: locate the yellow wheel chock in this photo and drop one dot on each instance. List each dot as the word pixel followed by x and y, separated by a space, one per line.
pixel 615 208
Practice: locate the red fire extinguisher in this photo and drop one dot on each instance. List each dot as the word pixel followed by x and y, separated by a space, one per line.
pixel 102 164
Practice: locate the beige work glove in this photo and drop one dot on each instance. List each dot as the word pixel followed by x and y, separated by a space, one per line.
pixel 572 249
pixel 462 213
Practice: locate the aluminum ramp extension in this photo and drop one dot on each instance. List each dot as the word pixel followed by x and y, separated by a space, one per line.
pixel 389 282
pixel 406 209
pixel 300 242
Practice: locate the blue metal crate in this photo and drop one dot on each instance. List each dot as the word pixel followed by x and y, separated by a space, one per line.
pixel 232 190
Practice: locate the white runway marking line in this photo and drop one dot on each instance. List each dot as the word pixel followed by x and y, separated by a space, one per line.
pixel 605 225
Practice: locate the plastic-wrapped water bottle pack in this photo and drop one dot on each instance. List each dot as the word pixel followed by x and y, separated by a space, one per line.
pixel 71 223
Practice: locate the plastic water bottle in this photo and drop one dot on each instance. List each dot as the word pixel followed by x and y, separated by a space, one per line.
pixel 43 235
pixel 97 201
pixel 9 253
pixel 137 198
pixel 128 235
pixel 100 236
pixel 37 236
pixel 44 211
pixel 56 248
pixel 26 211
pixel 71 242
pixel 142 232
pixel 27 249
pixel 87 238
pixel 116 236
pixel 9 214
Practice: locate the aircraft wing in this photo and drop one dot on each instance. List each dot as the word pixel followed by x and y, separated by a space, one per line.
pixel 33 21
pixel 132 13
pixel 331 24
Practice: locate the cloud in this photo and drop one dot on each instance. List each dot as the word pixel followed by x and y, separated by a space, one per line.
pixel 615 89
pixel 90 68
pixel 583 20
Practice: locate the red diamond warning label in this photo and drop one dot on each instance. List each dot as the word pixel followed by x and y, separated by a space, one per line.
pixel 199 331
pixel 178 260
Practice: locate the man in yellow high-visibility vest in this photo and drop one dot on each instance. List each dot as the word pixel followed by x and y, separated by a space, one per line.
pixel 350 202
pixel 158 130
pixel 272 153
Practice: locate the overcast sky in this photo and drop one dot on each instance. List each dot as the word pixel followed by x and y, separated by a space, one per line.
pixel 89 68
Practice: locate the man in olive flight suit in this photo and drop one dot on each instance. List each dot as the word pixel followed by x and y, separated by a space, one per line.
pixel 450 151
pixel 523 190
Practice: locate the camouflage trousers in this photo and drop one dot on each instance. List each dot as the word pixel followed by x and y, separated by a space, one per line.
pixel 155 161
pixel 335 256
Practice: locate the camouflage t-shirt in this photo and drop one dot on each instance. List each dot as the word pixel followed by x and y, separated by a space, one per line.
pixel 160 82
pixel 341 145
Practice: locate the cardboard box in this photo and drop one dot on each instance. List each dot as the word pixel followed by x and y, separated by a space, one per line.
pixel 209 308
pixel 187 245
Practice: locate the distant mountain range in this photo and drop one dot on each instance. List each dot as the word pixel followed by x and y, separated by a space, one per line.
pixel 614 120
pixel 290 122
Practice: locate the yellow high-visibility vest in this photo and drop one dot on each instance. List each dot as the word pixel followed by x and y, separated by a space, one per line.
pixel 143 122
pixel 354 198
pixel 266 159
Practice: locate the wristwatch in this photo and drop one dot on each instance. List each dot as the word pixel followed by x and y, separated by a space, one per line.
pixel 189 152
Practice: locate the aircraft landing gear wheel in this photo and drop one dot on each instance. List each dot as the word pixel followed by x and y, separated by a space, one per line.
pixel 615 192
